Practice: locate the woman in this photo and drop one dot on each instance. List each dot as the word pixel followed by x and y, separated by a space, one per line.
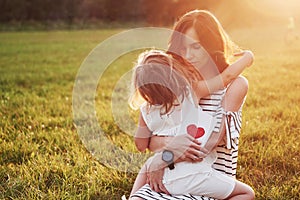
pixel 208 39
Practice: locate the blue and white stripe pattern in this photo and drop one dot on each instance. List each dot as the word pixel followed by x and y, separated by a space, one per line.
pixel 227 153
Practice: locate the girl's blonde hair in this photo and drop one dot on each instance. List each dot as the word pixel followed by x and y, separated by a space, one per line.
pixel 160 79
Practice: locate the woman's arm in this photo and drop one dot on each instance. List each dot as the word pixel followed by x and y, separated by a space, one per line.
pixel 158 143
pixel 235 94
pixel 215 138
pixel 184 147
pixel 179 145
pixel 142 135
pixel 232 101
pixel 206 87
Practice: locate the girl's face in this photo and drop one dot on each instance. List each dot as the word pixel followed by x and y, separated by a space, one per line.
pixel 193 51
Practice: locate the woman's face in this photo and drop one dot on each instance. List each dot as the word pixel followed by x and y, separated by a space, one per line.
pixel 193 51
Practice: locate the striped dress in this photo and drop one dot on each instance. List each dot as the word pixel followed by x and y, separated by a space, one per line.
pixel 227 151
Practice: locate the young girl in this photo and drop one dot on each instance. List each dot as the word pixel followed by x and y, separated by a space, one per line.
pixel 169 90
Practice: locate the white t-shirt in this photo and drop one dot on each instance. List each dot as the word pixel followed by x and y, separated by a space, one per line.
pixel 176 122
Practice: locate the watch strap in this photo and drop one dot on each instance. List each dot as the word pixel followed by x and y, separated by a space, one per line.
pixel 171 166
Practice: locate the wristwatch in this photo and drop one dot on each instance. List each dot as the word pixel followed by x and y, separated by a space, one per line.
pixel 168 157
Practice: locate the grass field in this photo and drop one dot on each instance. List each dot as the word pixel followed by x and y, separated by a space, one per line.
pixel 42 156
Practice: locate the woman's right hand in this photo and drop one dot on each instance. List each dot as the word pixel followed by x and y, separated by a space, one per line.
pixel 184 147
pixel 187 148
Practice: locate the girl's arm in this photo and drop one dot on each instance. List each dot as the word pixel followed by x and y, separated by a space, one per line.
pixel 142 135
pixel 206 87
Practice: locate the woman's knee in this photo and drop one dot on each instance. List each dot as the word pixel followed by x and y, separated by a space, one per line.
pixel 135 198
pixel 250 192
pixel 243 191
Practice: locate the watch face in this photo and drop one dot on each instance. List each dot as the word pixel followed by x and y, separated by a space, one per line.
pixel 167 156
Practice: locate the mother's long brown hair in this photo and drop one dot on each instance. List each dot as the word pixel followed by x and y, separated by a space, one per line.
pixel 210 33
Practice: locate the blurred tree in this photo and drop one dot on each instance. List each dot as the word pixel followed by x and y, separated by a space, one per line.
pixel 38 10
pixel 154 12
pixel 157 11
pixel 71 9
pixel 180 7
pixel 92 9
pixel 124 10
pixel 12 10
pixel 161 13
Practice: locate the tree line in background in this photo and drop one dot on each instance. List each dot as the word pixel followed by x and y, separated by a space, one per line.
pixel 154 12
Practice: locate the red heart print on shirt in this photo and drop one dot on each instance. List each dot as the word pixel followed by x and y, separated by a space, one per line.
pixel 195 131
pixel 200 132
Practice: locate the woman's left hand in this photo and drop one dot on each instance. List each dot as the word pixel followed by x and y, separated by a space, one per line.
pixel 155 173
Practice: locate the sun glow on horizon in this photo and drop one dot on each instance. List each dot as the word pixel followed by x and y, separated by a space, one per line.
pixel 276 8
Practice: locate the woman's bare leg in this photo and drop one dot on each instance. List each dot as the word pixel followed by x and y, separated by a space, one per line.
pixel 242 191
pixel 139 182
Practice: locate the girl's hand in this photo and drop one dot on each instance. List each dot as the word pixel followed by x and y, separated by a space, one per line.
pixel 247 54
